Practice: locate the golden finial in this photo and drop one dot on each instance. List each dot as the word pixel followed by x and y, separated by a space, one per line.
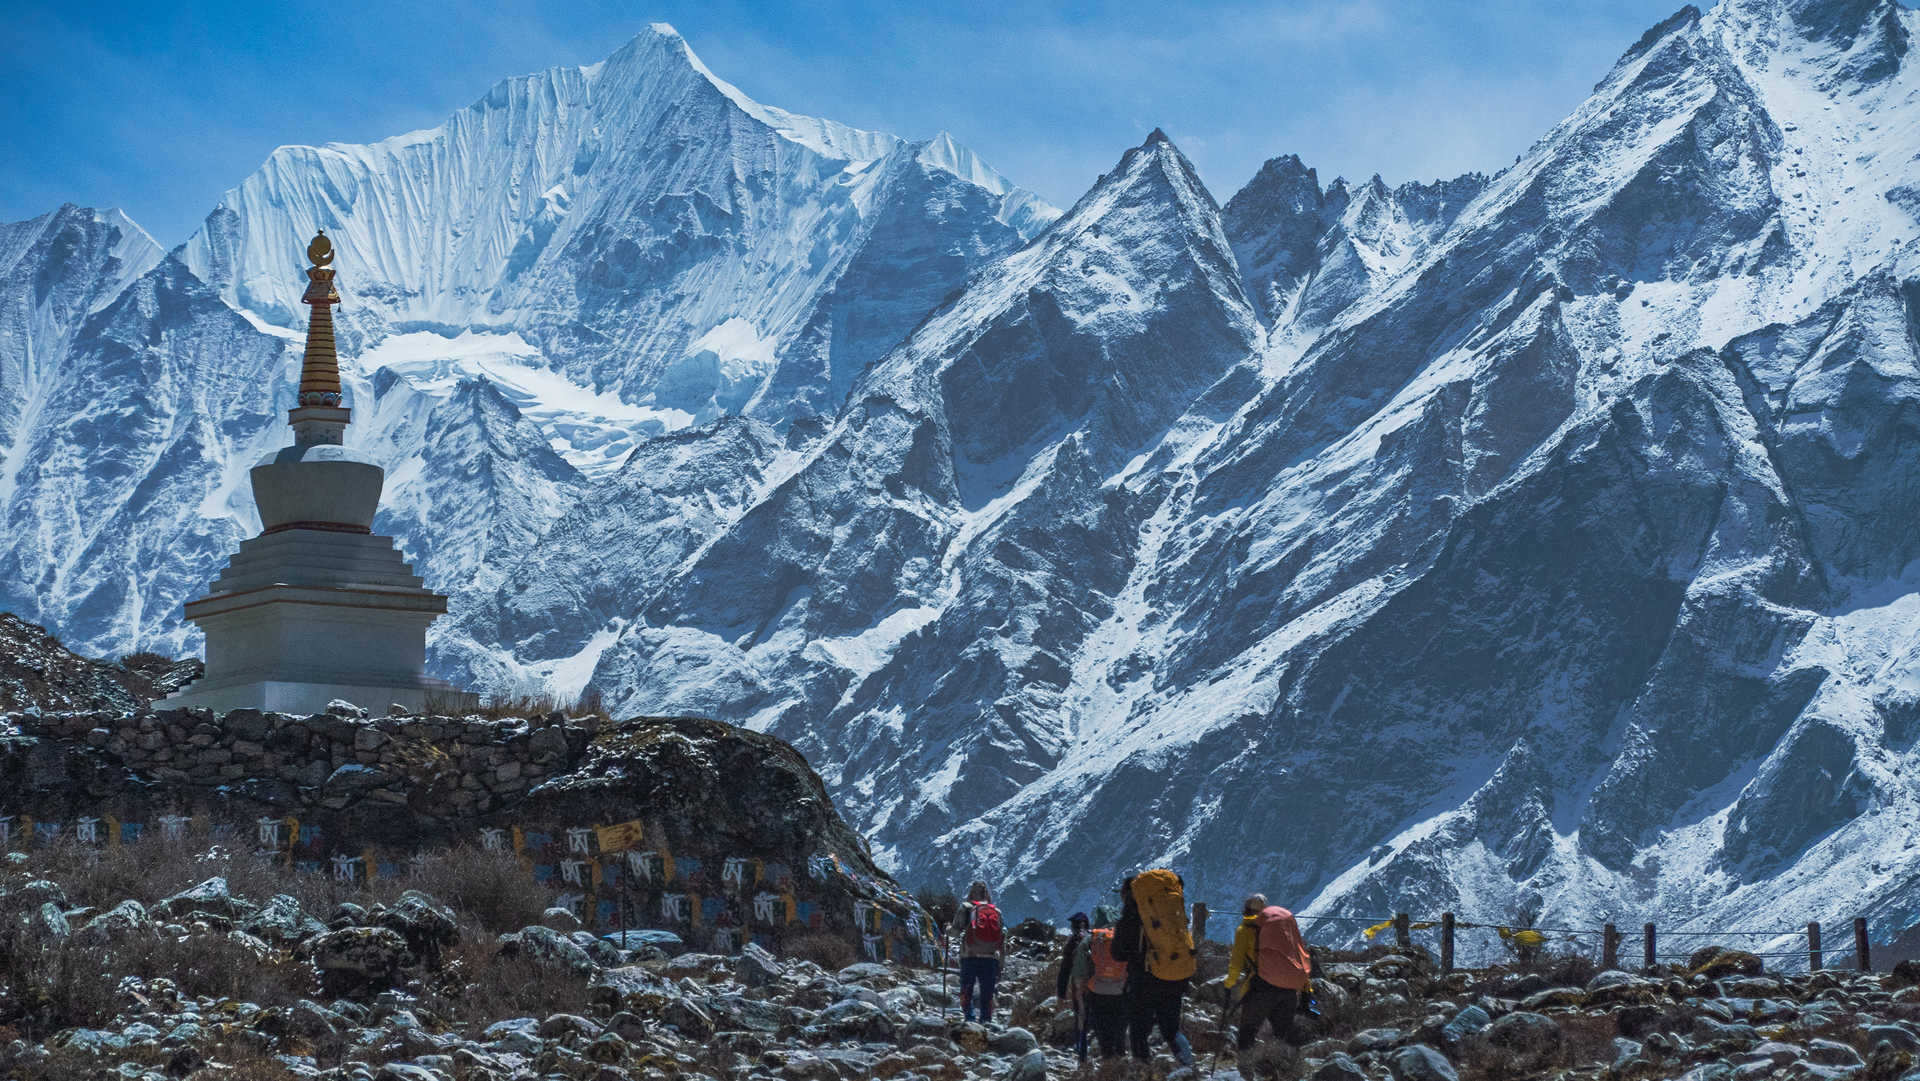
pixel 320 252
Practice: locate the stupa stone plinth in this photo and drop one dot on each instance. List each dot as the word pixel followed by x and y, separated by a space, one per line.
pixel 317 607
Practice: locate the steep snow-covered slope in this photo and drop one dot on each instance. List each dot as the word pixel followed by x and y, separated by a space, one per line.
pixel 906 603
pixel 1539 572
pixel 56 270
pixel 648 228
pixel 582 260
pixel 562 600
pixel 1542 581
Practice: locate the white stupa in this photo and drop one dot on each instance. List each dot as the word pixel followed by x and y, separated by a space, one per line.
pixel 316 607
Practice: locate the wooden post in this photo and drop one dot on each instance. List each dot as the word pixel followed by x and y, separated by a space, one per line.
pixel 1402 936
pixel 1609 946
pixel 1446 942
pixel 1813 946
pixel 1649 944
pixel 1199 921
pixel 1860 943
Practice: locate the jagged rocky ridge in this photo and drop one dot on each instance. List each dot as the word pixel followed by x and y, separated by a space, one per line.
pixel 1527 545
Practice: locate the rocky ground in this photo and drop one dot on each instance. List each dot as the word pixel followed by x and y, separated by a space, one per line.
pixel 37 671
pixel 456 971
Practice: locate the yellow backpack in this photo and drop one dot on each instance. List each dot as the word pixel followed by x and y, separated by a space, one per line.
pixel 1163 923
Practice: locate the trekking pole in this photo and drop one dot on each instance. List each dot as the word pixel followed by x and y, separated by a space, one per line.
pixel 1219 1045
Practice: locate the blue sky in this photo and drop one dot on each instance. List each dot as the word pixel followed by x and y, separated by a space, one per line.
pixel 158 108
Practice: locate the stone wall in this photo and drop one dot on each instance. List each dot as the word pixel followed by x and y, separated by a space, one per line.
pixel 686 824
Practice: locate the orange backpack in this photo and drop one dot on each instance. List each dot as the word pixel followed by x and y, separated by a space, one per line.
pixel 1283 956
pixel 1109 974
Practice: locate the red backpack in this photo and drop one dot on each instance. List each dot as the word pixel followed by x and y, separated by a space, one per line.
pixel 983 924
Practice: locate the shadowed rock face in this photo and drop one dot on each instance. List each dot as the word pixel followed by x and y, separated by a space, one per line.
pixel 692 794
pixel 37 672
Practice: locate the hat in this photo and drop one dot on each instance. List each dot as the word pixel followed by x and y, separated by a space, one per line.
pixel 1077 919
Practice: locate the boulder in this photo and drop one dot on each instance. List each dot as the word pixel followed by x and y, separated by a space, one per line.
pixel 852 1019
pixel 548 947
pixel 756 967
pixel 47 921
pixel 1421 1063
pixel 1031 1066
pixel 427 925
pixel 359 961
pixel 1534 1040
pixel 281 921
pixel 209 898
pixel 1470 1021
pixel 687 1017
pixel 1340 1067
pixel 1012 1041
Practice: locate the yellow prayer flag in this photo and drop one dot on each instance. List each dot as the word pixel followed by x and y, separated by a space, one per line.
pixel 1376 929
pixel 621 836
pixel 113 832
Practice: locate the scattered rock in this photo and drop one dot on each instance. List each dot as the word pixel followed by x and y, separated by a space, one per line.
pixel 1419 1062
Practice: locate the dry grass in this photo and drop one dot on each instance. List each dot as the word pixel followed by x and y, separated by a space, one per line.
pixel 481 986
pixel 830 952
pixel 47 984
pixel 489 890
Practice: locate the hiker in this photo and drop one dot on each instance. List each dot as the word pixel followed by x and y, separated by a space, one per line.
pixel 983 945
pixel 1269 955
pixel 1100 981
pixel 1065 990
pixel 1155 942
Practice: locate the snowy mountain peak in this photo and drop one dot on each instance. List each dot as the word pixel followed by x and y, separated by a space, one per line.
pixel 1153 172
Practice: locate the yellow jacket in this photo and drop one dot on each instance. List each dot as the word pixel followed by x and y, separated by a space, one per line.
pixel 1244 961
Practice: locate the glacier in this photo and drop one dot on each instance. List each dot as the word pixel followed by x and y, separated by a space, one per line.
pixel 1532 545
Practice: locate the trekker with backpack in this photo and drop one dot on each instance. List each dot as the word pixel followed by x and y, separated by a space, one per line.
pixel 983 945
pixel 1154 940
pixel 1269 954
pixel 1101 981
pixel 1066 991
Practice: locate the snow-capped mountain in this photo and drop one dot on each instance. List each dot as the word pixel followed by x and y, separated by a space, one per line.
pixel 1533 545
pixel 1548 578
pixel 615 251
pixel 646 227
pixel 1528 564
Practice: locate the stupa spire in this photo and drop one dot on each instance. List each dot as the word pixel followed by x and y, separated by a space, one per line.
pixel 318 417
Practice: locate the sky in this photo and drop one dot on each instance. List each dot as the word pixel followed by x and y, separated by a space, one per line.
pixel 159 108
